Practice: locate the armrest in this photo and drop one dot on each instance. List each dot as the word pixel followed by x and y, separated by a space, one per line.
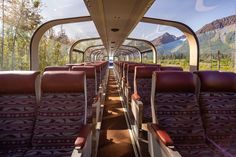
pixel 135 97
pixel 127 85
pixel 95 99
pixel 82 137
pixel 160 134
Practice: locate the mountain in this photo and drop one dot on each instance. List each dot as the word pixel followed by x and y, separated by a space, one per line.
pixel 164 39
pixel 218 35
pixel 218 24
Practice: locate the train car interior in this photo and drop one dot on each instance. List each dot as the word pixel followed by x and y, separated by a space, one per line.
pixel 117 78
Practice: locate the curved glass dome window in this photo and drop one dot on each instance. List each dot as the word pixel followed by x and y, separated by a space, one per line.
pixel 170 43
pixel 57 41
pixel 57 9
pixel 194 13
pixel 141 45
pixel 83 45
pixel 150 32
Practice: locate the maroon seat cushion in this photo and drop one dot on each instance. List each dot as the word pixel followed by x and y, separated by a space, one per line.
pixel 142 86
pixel 91 86
pixel 62 110
pixel 218 105
pixel 17 110
pixel 178 113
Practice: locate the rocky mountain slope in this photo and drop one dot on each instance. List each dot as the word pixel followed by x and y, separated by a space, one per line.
pixel 214 36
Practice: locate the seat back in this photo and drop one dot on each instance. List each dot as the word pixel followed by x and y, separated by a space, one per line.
pixel 75 64
pixel 98 73
pixel 217 98
pixel 91 80
pixel 18 102
pixel 62 111
pixel 175 107
pixel 170 68
pixel 130 75
pixel 57 68
pixel 142 87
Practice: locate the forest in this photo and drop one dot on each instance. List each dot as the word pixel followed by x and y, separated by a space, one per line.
pixel 19 20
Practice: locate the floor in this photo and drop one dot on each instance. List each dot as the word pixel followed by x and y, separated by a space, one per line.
pixel 114 137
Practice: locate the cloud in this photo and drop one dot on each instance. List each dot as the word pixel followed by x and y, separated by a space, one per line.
pixel 201 7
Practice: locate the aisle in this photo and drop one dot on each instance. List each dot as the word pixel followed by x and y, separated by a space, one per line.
pixel 114 138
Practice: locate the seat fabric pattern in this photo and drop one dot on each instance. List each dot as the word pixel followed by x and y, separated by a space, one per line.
pixel 131 82
pixel 90 94
pixel 179 115
pixel 59 119
pixel 197 150
pixel 219 116
pixel 17 116
pixel 144 90
pixel 55 152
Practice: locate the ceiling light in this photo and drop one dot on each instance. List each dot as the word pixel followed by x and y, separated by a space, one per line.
pixel 114 29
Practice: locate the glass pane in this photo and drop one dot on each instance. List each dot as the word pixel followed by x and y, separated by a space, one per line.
pixel 23 17
pixel 18 21
pixel 142 46
pixel 170 43
pixel 214 23
pixel 77 57
pixel 82 46
pixel 147 57
pixel 57 9
pixel 218 49
pixel 56 42
pixel 194 13
pixel 92 49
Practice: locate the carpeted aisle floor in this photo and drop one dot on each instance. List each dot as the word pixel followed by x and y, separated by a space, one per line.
pixel 114 138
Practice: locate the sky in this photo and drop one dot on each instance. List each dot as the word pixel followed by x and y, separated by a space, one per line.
pixel 194 13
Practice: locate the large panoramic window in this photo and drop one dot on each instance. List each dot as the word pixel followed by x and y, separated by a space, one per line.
pixel 170 43
pixel 214 22
pixel 56 42
pixel 20 18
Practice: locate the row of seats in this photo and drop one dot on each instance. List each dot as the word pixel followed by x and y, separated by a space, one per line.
pixel 136 85
pixel 46 115
pixel 193 118
pixel 192 114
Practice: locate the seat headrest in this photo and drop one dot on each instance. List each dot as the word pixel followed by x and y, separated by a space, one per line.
pixel 57 68
pixel 18 82
pixel 89 70
pixel 63 81
pixel 170 68
pixel 214 81
pixel 145 71
pixel 131 67
pixel 98 66
pixel 175 81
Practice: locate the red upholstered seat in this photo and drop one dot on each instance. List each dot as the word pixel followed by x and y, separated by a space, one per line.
pixel 217 97
pixel 98 73
pixel 170 68
pixel 178 113
pixel 18 103
pixel 142 87
pixel 57 68
pixel 91 86
pixel 61 114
